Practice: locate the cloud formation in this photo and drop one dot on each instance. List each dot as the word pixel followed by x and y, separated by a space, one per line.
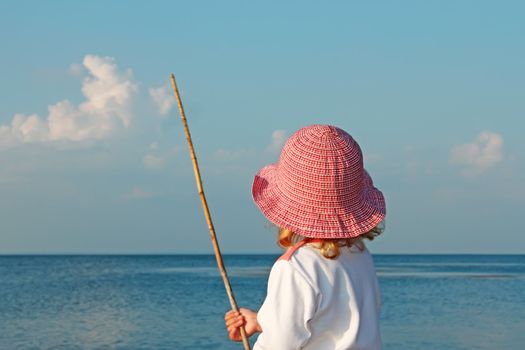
pixel 278 140
pixel 107 93
pixel 163 98
pixel 478 156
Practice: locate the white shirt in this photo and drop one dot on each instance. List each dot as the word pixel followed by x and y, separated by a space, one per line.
pixel 322 304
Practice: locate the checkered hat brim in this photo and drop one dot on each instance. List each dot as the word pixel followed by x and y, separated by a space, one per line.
pixel 319 188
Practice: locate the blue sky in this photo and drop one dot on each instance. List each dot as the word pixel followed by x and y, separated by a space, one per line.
pixel 94 158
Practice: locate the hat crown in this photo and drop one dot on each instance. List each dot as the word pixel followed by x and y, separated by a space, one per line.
pixel 321 166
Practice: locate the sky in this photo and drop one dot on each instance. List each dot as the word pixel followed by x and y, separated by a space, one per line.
pixel 93 155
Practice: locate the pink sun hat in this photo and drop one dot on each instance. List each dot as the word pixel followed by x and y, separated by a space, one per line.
pixel 319 188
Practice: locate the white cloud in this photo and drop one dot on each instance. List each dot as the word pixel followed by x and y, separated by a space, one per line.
pixel 107 93
pixel 478 156
pixel 278 140
pixel 163 98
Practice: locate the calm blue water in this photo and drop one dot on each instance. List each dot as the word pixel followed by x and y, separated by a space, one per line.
pixel 178 302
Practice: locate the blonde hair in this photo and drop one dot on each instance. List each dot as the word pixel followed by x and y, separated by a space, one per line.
pixel 329 248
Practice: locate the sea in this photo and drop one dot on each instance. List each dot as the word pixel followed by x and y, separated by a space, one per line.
pixel 178 301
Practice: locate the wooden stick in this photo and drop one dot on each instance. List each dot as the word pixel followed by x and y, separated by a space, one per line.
pixel 207 215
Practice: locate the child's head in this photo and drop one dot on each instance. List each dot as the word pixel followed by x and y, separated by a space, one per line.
pixel 320 189
pixel 330 247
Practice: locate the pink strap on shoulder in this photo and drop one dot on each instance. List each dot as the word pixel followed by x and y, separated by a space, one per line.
pixel 288 254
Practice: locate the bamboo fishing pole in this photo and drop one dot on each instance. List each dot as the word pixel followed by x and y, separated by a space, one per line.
pixel 207 215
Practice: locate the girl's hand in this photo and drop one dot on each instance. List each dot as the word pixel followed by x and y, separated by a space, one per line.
pixel 246 318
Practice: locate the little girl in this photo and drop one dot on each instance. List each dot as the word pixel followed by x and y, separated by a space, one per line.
pixel 323 292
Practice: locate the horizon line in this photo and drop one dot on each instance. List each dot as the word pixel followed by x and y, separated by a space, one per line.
pixel 224 254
